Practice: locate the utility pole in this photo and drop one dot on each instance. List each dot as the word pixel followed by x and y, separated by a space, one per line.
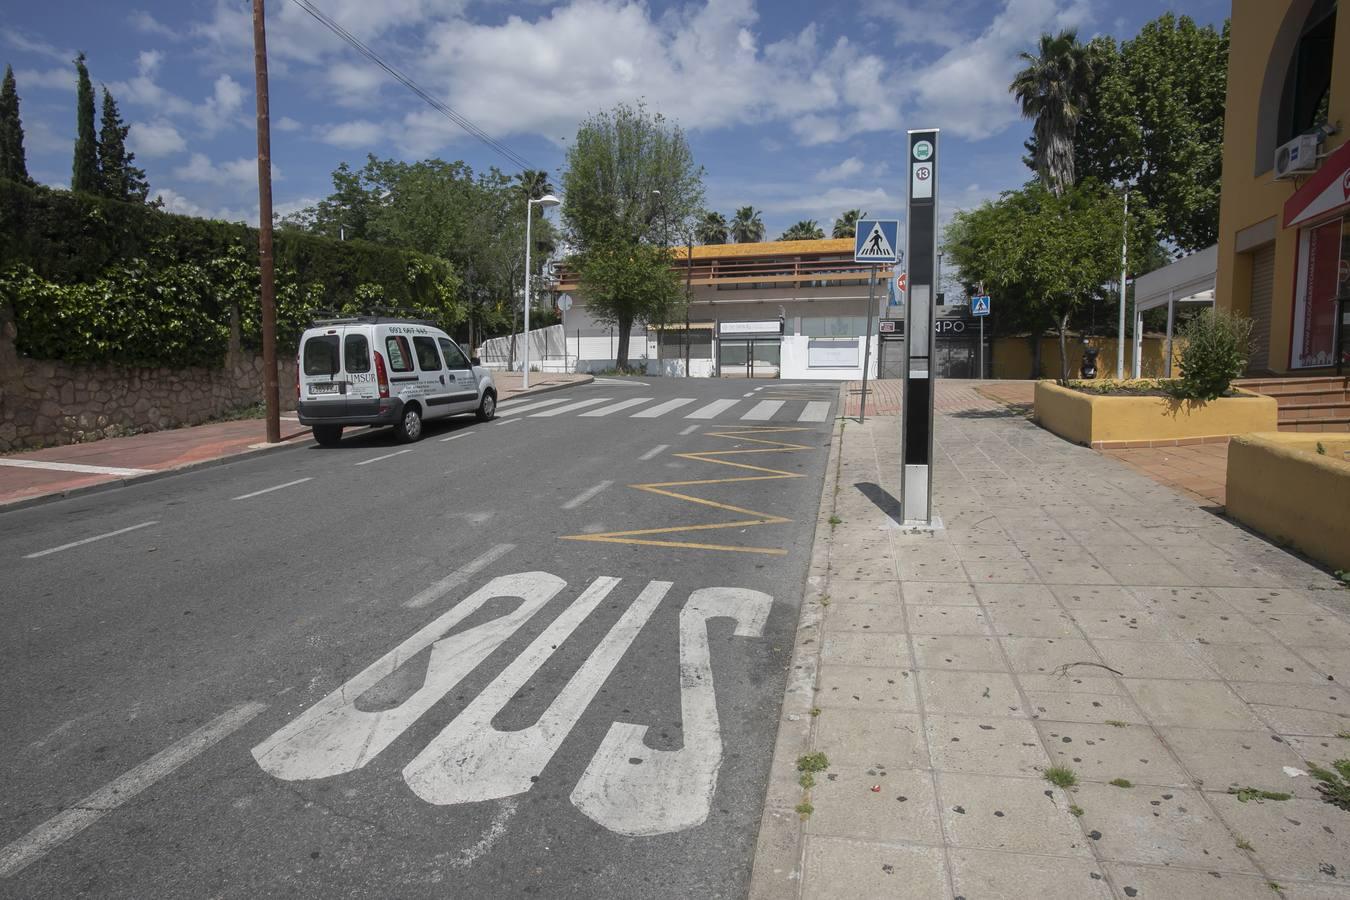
pixel 265 266
pixel 1124 243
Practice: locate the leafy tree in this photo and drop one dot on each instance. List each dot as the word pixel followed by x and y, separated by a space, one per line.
pixel 119 179
pixel 805 230
pixel 747 227
pixel 84 172
pixel 1053 89
pixel 534 183
pixel 618 163
pixel 712 228
pixel 12 163
pixel 846 226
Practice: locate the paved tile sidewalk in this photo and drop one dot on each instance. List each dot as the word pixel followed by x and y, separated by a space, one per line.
pixel 1073 613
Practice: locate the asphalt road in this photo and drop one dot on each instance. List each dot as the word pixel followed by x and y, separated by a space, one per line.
pixel 330 673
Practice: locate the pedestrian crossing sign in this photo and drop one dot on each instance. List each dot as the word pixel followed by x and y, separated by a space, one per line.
pixel 979 306
pixel 875 241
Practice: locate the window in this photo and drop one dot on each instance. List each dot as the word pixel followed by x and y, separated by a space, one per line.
pixel 400 357
pixel 454 357
pixel 1308 84
pixel 321 355
pixel 357 351
pixel 834 326
pixel 428 360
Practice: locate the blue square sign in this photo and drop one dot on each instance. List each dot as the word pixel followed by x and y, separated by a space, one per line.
pixel 979 306
pixel 876 241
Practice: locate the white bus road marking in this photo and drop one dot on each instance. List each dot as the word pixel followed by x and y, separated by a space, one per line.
pixel 453 436
pixel 586 495
pixel 459 576
pixel 367 462
pixel 333 736
pixel 763 410
pixel 615 407
pixel 276 487
pixel 662 408
pixel 70 822
pixel 90 540
pixel 690 430
pixel 472 760
pixel 635 790
pixel 750 393
pixel 713 409
pixel 515 410
pixel 816 411
pixel 571 407
pixel 72 467
pixel 654 452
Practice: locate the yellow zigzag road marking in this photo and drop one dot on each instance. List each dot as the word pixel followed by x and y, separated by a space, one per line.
pixel 640 536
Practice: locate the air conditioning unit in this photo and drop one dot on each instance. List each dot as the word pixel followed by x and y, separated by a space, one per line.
pixel 1296 157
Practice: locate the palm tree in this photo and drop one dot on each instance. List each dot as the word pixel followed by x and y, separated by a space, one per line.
pixel 746 227
pixel 534 183
pixel 1053 89
pixel 712 228
pixel 847 224
pixel 805 230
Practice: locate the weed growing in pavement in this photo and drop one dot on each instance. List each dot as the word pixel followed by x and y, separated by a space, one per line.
pixel 804 809
pixel 1275 886
pixel 1343 576
pixel 1061 776
pixel 807 780
pixel 1343 735
pixel 815 711
pixel 1116 723
pixel 1334 783
pixel 1075 809
pixel 825 600
pixel 1121 782
pixel 813 762
pixel 1251 793
pixel 835 520
pixel 1244 844
pixel 1321 449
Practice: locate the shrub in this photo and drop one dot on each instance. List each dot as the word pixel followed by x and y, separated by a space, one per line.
pixel 1217 345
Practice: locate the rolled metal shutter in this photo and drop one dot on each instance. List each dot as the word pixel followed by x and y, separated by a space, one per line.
pixel 1263 291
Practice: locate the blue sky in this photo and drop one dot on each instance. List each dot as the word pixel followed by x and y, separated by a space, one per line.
pixel 798 108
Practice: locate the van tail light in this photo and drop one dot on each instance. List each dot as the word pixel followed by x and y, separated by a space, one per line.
pixel 381 376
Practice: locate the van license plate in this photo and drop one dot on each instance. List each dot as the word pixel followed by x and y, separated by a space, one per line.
pixel 325 387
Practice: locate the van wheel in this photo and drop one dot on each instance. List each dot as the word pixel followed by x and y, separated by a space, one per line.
pixel 487 409
pixel 409 428
pixel 328 435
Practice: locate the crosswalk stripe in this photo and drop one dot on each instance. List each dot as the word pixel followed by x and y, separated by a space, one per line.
pixel 815 411
pixel 763 410
pixel 712 409
pixel 527 407
pixel 615 407
pixel 662 408
pixel 571 407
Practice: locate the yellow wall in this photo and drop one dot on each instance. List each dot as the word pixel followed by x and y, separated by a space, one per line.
pixel 1012 357
pixel 1250 199
pixel 1091 418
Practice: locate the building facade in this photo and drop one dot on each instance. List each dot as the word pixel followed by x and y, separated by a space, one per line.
pixel 1284 223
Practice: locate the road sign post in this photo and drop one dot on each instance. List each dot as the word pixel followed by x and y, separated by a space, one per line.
pixel 875 241
pixel 916 406
pixel 979 307
pixel 867 345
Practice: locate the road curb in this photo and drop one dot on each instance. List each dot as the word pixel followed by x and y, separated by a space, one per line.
pixel 777 867
pixel 548 389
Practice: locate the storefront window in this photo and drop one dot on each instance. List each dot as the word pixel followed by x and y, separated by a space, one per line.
pixel 834 326
pixel 1323 274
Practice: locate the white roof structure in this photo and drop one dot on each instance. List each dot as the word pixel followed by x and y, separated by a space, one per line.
pixel 1188 280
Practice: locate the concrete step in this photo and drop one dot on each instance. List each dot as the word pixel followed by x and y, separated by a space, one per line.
pixel 1338 426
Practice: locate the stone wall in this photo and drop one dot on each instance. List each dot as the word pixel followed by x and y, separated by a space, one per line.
pixel 47 402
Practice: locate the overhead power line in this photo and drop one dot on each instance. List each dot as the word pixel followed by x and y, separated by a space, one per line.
pixel 463 122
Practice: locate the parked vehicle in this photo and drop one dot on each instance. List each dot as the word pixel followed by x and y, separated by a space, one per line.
pixel 376 370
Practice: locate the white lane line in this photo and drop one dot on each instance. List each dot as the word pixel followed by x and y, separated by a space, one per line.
pixel 662 408
pixel 459 576
pixel 71 467
pixel 586 495
pixel 750 394
pixel 513 421
pixel 70 822
pixel 690 430
pixel 715 408
pixel 763 410
pixel 367 462
pixel 816 411
pixel 90 540
pixel 273 488
pixel 615 407
pixel 654 452
pixel 571 407
pixel 453 436
pixel 515 410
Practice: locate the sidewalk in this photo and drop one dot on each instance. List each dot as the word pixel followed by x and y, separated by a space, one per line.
pixel 56 472
pixel 1073 613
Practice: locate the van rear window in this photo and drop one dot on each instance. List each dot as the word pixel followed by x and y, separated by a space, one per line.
pixel 400 357
pixel 357 352
pixel 321 355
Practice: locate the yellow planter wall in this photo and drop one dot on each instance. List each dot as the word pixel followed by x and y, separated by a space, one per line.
pixel 1089 419
pixel 1280 486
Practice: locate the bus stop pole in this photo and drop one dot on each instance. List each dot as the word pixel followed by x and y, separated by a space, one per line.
pixel 867 341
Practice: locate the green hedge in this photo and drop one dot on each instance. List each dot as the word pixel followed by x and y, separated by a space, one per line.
pixel 97 280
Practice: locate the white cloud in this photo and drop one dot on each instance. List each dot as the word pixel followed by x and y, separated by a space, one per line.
pixel 286 123
pixel 23 43
pixel 846 169
pixel 145 23
pixel 158 138
pixel 175 202
pixel 360 133
pixel 53 79
pixel 235 173
pixel 829 203
pixel 224 104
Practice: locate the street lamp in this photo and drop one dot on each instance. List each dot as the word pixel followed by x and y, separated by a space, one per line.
pixel 545 201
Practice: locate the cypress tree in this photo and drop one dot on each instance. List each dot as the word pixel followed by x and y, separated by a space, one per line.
pixel 84 172
pixel 12 163
pixel 119 179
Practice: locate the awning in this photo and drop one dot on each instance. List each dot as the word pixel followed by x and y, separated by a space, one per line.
pixel 1327 191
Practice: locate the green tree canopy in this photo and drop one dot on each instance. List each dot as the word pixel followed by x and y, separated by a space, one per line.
pixel 747 227
pixel 712 228
pixel 118 178
pixel 84 170
pixel 628 279
pixel 1053 90
pixel 805 230
pixel 846 226
pixel 13 164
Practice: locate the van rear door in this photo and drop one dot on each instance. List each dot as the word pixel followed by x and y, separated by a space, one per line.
pixel 323 389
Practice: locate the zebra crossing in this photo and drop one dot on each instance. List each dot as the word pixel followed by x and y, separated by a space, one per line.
pixel 751 409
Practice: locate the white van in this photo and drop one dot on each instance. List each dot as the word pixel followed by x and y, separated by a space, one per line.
pixel 375 370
